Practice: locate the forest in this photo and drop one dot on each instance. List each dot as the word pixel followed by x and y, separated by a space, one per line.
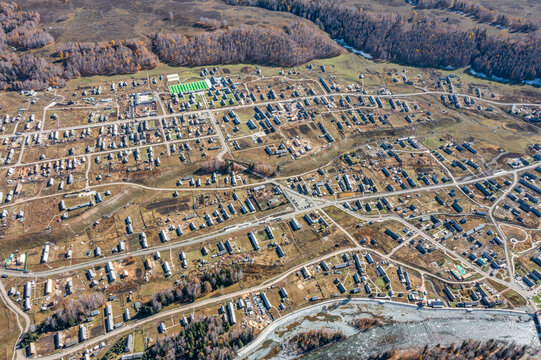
pixel 203 338
pixel 468 350
pixel 481 14
pixel 19 31
pixel 20 28
pixel 421 41
pixel 292 45
pixel 106 58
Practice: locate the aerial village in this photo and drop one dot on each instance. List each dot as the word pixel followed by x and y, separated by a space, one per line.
pixel 132 206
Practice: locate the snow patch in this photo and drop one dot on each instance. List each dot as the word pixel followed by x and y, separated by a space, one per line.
pixel 342 43
pixel 535 82
pixel 485 76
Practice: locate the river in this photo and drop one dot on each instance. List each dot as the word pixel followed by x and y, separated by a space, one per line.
pixel 406 326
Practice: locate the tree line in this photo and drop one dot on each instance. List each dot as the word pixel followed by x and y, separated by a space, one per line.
pixel 74 312
pixel 481 13
pixel 420 41
pixel 292 45
pixel 188 290
pixel 218 166
pixel 105 58
pixel 203 338
pixel 314 339
pixel 19 31
pixel 24 72
pixel 468 350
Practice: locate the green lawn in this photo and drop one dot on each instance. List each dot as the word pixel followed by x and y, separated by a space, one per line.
pixel 537 299
pixel 188 87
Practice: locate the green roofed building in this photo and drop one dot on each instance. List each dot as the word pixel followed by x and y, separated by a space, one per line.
pixel 190 87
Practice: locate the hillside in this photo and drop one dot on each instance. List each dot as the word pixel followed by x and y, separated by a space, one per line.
pixel 48 43
pixel 96 20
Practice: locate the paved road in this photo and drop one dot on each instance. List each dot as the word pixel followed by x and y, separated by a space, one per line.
pixel 261 287
pixel 439 186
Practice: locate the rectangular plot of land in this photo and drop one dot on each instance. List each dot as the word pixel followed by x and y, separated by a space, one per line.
pixel 188 87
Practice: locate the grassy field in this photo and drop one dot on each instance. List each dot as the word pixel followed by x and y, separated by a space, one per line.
pixel 10 331
pixel 537 300
pixel 515 298
pixel 349 66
